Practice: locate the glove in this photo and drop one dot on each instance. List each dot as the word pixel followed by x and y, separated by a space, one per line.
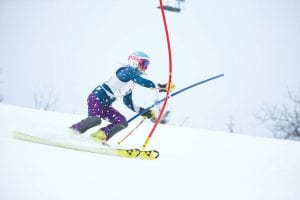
pixel 149 114
pixel 164 87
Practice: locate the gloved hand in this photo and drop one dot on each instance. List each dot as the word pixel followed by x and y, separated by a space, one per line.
pixel 149 114
pixel 164 87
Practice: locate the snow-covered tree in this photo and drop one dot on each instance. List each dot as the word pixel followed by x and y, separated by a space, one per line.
pixel 284 121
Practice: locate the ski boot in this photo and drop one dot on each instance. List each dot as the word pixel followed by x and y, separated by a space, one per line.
pixel 99 136
pixel 86 124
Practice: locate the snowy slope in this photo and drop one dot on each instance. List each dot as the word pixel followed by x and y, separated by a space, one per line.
pixel 193 164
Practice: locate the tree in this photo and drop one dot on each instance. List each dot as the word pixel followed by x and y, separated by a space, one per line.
pixel 230 125
pixel 164 119
pixel 284 122
pixel 44 101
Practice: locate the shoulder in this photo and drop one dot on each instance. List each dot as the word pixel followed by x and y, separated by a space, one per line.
pixel 127 69
pixel 126 73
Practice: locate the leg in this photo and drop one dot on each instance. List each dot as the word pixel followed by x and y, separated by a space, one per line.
pixel 117 120
pixel 93 119
pixel 86 124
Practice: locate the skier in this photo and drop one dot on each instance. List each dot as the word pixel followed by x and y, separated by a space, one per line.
pixel 120 85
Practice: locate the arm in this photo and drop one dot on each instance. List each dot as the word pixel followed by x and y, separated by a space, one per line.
pixel 143 82
pixel 127 100
pixel 131 74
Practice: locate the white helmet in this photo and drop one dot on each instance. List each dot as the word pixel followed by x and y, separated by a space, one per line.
pixel 139 59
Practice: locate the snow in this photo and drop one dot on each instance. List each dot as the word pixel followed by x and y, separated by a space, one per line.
pixel 193 164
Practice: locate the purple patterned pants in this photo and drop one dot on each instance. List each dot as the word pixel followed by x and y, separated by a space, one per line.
pixel 100 108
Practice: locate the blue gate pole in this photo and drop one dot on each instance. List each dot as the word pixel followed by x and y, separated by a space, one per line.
pixel 174 94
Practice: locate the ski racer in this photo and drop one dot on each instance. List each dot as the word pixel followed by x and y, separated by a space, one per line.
pixel 120 85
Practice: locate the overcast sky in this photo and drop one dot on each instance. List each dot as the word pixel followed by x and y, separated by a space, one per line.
pixel 69 47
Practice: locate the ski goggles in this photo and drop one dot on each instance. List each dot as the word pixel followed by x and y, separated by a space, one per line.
pixel 143 63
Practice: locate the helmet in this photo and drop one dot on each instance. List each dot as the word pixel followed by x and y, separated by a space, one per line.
pixel 139 59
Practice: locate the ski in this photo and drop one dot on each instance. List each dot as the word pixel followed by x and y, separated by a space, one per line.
pixel 150 154
pixel 101 149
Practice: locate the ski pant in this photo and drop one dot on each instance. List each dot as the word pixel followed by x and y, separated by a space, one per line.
pixel 100 106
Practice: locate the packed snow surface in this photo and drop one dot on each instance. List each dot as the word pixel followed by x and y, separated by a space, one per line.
pixel 193 164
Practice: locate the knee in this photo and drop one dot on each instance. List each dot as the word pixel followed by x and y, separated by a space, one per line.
pixel 124 124
pixel 122 121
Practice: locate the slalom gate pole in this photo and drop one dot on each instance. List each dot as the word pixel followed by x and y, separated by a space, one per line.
pixel 170 76
pixel 174 94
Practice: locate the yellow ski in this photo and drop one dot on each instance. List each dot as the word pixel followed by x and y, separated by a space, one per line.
pixel 107 150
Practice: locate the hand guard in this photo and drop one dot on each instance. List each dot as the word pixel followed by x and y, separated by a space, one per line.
pixel 164 87
pixel 149 114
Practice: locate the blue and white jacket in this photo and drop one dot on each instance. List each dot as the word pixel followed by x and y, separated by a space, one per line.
pixel 120 85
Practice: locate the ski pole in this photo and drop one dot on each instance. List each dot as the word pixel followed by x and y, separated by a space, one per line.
pixel 174 94
pixel 132 131
pixel 169 96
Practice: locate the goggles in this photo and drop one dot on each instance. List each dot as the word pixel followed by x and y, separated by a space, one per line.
pixel 143 63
